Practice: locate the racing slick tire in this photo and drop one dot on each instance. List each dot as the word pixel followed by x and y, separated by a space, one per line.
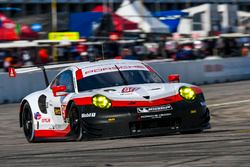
pixel 27 123
pixel 75 123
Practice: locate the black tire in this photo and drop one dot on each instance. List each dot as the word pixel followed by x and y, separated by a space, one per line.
pixel 75 123
pixel 27 123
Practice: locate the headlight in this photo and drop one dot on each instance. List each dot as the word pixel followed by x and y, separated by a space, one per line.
pixel 187 93
pixel 101 101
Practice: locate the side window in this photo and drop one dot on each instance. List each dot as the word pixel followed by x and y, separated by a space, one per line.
pixel 66 79
pixel 197 21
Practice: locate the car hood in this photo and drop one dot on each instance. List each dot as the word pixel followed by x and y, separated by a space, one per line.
pixel 135 92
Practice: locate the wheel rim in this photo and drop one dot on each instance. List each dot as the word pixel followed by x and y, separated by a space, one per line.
pixel 75 122
pixel 27 123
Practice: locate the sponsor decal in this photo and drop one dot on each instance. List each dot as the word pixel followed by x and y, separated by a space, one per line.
pixel 111 120
pixel 203 104
pixel 131 67
pixel 64 36
pixel 129 89
pixel 193 112
pixel 106 69
pixel 156 116
pixel 213 68
pixel 64 107
pixel 57 111
pixel 88 115
pixel 37 116
pixel 154 109
pixel 174 17
pixel 45 120
pixel 97 70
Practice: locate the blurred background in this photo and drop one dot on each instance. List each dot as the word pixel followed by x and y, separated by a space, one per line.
pixel 50 31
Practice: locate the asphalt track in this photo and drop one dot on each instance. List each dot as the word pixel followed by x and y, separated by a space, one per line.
pixel 226 144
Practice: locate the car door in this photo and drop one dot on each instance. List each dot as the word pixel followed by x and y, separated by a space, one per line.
pixel 55 103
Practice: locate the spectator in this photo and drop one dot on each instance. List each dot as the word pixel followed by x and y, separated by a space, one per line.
pixel 43 55
pixel 63 50
pixel 244 51
pixel 140 51
pixel 75 54
pixel 126 53
pixel 26 58
pixel 2 56
pixel 7 62
pixel 185 53
pixel 60 53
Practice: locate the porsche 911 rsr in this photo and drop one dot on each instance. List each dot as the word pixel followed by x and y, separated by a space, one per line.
pixel 110 99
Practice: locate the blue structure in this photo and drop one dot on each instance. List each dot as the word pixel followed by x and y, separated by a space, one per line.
pixel 36 27
pixel 84 22
pixel 10 9
pixel 171 18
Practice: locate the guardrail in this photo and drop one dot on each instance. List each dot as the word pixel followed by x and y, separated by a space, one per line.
pixel 196 72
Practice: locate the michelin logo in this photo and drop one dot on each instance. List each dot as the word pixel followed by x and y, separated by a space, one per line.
pixel 88 115
pixel 154 109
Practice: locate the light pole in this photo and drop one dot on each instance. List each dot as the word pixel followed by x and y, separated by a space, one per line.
pixel 54 26
pixel 54 15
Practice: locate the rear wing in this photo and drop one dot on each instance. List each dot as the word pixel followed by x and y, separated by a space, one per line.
pixel 12 71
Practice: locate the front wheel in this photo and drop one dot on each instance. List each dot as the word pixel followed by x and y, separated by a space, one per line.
pixel 27 123
pixel 75 123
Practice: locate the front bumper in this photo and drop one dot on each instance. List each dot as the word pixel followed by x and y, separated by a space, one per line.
pixel 127 121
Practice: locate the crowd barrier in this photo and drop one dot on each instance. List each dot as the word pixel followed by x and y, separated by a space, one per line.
pixel 196 72
pixel 206 71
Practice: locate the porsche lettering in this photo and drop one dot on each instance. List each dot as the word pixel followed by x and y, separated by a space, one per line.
pixel 109 69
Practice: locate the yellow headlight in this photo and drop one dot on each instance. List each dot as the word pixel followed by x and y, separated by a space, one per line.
pixel 187 93
pixel 101 101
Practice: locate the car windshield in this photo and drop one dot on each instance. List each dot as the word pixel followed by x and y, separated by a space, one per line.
pixel 116 78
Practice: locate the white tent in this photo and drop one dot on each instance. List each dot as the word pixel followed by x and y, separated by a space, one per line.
pixel 136 12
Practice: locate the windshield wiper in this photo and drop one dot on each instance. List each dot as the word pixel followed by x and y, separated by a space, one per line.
pixel 122 76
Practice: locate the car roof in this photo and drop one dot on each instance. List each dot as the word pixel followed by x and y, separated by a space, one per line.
pixel 106 62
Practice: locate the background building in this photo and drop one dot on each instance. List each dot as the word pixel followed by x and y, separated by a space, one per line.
pixel 40 10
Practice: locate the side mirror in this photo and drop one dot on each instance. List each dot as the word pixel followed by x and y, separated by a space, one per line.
pixel 174 78
pixel 59 90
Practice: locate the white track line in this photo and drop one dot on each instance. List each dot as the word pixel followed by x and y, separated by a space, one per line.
pixel 229 103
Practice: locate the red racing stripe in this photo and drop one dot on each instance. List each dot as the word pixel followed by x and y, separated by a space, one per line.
pixel 83 101
pixel 165 100
pixel 52 133
pixel 121 103
pixel 197 89
pixel 127 103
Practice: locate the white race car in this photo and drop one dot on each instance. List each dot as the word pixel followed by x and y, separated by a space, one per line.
pixel 110 99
